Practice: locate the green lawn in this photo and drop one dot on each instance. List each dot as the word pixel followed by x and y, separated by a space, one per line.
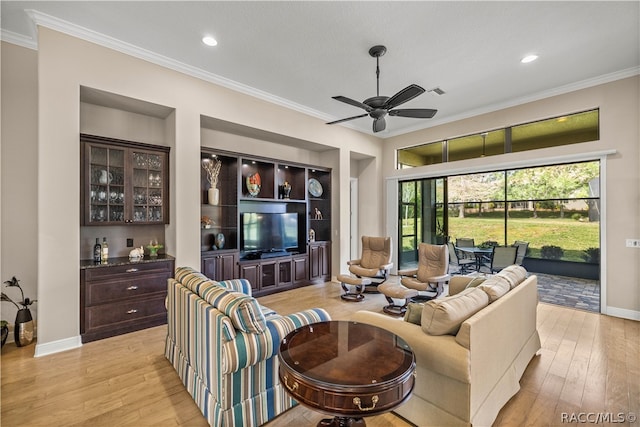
pixel 572 236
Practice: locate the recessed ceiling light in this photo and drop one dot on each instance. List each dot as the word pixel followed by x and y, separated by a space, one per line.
pixel 529 58
pixel 209 41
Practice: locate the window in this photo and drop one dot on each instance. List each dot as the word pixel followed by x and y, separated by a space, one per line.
pixel 564 130
pixel 554 208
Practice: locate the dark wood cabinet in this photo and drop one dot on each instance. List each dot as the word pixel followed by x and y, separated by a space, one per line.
pixel 221 266
pixel 123 182
pixel 320 261
pixel 268 275
pixel 252 184
pixel 123 296
pixel 299 264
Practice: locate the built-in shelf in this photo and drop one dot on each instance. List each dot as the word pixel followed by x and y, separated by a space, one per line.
pixel 262 185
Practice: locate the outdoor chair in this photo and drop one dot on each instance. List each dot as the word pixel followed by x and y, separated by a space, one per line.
pixel 522 250
pixel 465 242
pixel 463 264
pixel 501 257
pixel 371 269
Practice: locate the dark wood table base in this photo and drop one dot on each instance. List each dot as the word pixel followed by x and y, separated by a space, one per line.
pixel 342 422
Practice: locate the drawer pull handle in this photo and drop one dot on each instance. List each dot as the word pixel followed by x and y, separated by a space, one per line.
pixel 132 288
pixel 357 402
pixel 291 388
pixel 133 310
pixel 132 270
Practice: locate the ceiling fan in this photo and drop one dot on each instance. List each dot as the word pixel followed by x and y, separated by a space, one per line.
pixel 377 107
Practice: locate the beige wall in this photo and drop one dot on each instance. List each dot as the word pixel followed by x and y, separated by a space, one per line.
pixel 41 121
pixel 19 172
pixel 64 65
pixel 619 131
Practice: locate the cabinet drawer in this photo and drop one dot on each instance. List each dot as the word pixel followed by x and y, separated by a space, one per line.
pixel 119 313
pixel 127 270
pixel 137 285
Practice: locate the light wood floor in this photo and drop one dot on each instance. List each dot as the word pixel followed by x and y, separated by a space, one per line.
pixel 589 363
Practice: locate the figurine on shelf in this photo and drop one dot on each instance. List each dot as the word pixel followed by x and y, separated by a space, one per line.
pixel 205 222
pixel 136 254
pixel 317 214
pixel 286 190
pixel 312 235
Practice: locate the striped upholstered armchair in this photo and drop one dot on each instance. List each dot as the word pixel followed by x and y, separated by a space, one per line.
pixel 224 347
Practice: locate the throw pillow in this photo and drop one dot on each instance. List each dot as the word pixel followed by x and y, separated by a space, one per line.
pixel 495 287
pixel 244 311
pixel 475 282
pixel 514 274
pixel 414 313
pixel 444 316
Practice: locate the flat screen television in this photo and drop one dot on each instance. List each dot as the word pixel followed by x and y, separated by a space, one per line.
pixel 268 232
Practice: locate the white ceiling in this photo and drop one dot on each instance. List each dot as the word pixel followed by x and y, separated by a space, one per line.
pixel 300 54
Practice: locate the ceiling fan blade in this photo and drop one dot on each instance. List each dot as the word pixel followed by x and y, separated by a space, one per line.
pixel 352 102
pixel 406 94
pixel 379 124
pixel 348 118
pixel 417 113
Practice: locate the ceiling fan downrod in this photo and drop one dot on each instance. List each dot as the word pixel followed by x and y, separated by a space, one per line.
pixel 377 52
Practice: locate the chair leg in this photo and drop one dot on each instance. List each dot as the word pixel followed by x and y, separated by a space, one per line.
pixel 350 295
pixel 424 298
pixel 395 309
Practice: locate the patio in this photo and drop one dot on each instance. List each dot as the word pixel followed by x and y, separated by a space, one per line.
pixel 571 292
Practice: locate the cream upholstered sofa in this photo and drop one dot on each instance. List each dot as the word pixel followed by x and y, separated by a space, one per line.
pixel 471 347
pixel 224 346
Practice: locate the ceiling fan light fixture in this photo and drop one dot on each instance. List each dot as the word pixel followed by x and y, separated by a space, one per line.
pixel 377 107
pixel 529 58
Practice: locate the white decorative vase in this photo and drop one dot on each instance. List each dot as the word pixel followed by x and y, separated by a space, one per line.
pixel 214 196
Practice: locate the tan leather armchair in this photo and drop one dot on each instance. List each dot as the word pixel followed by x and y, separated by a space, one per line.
pixel 432 272
pixel 370 270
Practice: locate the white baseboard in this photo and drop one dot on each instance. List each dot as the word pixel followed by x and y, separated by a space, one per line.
pixel 623 313
pixel 57 346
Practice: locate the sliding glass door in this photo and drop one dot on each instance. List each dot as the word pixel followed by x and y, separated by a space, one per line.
pixel 421 217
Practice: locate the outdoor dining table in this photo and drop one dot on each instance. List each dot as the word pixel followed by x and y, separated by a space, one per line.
pixel 478 252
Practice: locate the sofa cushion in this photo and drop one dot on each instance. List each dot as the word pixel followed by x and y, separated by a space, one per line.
pixel 476 281
pixel 495 287
pixel 414 313
pixel 514 274
pixel 444 316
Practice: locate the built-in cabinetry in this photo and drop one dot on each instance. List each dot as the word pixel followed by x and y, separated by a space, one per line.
pixel 220 265
pixel 122 296
pixel 319 261
pixel 250 188
pixel 123 182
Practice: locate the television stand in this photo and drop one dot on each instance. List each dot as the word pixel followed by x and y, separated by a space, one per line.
pixel 273 254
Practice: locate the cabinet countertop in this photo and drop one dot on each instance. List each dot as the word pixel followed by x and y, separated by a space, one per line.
pixel 89 263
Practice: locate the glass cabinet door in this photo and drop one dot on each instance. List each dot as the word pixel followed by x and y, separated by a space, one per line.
pixel 148 185
pixel 123 183
pixel 107 185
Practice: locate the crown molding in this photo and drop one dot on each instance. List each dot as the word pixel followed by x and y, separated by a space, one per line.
pixel 51 22
pixel 561 90
pixel 18 39
pixel 60 25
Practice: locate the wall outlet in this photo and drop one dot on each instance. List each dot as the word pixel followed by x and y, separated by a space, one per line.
pixel 633 243
pixel 129 243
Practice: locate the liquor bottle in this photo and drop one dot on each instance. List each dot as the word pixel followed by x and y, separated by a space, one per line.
pixel 97 252
pixel 105 250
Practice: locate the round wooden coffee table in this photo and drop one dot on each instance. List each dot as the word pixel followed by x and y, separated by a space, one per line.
pixel 346 369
